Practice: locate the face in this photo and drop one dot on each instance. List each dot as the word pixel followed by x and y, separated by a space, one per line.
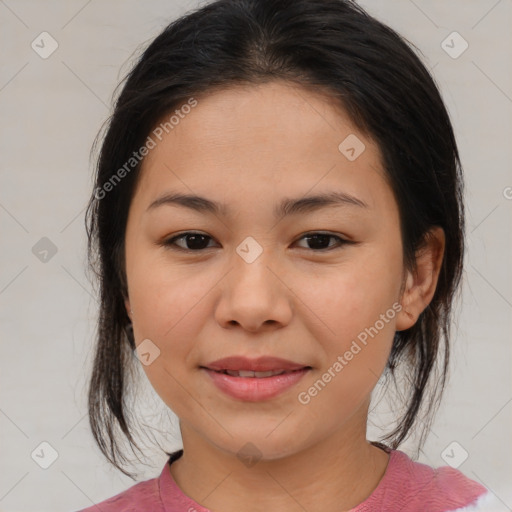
pixel 315 284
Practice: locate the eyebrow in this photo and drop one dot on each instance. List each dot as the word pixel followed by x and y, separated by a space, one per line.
pixel 286 207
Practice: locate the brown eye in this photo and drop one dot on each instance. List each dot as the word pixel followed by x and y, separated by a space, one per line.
pixel 192 241
pixel 321 241
pixel 196 242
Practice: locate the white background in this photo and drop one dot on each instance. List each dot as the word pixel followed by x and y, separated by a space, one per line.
pixel 50 112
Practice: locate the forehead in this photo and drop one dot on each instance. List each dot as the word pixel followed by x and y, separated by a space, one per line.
pixel 253 114
pixel 267 137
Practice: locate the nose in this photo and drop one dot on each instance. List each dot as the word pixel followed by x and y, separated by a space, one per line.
pixel 254 296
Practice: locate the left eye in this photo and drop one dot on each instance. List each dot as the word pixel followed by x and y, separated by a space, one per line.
pixel 198 241
pixel 320 241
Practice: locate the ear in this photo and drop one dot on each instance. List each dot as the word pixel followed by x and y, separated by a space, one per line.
pixel 421 283
pixel 128 307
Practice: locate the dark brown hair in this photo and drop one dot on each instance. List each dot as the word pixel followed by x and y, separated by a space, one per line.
pixel 369 70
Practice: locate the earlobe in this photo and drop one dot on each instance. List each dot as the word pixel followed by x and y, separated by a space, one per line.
pixel 129 311
pixel 422 282
pixel 404 319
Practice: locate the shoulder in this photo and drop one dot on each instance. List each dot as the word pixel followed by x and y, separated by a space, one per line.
pixel 141 496
pixel 421 487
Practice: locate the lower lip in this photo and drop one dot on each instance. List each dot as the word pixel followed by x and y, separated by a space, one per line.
pixel 254 389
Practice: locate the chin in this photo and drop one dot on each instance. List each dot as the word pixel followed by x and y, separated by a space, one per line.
pixel 255 444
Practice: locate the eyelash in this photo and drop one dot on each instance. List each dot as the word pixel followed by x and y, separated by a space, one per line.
pixel 170 243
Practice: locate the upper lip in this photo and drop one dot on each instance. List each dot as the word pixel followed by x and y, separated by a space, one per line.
pixel 260 364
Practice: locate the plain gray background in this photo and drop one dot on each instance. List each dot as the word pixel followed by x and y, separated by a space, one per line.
pixel 52 108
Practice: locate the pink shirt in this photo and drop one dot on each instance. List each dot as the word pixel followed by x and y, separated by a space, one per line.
pixel 406 486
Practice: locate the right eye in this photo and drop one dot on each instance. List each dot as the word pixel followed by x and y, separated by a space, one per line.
pixel 194 241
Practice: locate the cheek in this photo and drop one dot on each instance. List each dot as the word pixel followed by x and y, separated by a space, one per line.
pixel 165 304
pixel 170 312
pixel 355 306
pixel 171 305
pixel 355 348
pixel 352 297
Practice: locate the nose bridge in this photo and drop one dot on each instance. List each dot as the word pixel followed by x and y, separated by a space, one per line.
pixel 252 294
pixel 252 263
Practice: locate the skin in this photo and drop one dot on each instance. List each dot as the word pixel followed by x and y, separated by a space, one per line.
pixel 249 147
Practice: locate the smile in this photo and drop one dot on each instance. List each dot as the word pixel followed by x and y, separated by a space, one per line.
pixel 251 386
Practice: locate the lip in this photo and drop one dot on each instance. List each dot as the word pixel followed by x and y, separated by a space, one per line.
pixel 255 389
pixel 260 364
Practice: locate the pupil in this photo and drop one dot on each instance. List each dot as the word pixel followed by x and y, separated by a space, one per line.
pixel 315 241
pixel 316 238
pixel 196 242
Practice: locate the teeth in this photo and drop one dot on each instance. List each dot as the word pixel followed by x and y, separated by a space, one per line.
pixel 248 373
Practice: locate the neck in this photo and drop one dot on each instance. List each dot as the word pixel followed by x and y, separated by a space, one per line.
pixel 335 474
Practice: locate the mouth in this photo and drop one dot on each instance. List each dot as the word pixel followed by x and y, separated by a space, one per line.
pixel 254 380
pixel 259 367
pixel 253 374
